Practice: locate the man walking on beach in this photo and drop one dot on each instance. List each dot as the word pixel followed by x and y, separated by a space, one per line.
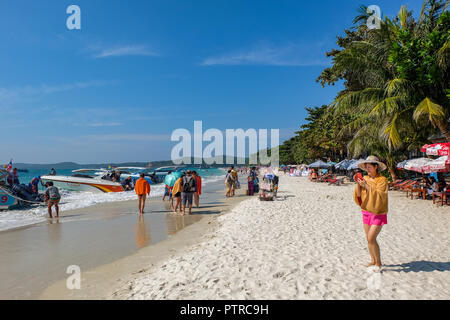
pixel 142 189
pixel 188 187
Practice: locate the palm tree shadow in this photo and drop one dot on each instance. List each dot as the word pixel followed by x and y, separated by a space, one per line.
pixel 419 266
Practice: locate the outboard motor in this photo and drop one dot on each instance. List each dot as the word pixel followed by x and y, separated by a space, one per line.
pixel 23 192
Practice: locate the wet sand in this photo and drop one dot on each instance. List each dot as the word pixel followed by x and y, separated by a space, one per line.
pixel 35 257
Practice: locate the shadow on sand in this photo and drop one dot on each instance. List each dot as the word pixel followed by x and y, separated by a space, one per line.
pixel 419 266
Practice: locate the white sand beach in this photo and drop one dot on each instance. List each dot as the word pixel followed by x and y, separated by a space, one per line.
pixel 309 244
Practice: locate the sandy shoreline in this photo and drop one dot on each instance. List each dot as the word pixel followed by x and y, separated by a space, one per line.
pixel 308 245
pixel 99 282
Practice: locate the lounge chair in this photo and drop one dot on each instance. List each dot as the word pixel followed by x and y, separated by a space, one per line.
pixel 335 181
pixel 405 186
pixel 398 185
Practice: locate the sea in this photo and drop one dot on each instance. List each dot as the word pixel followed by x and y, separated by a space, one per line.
pixel 11 219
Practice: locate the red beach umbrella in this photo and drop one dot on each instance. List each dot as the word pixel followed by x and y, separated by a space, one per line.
pixel 437 149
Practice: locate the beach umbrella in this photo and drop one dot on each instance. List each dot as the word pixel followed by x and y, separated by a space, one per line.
pixel 343 164
pixel 319 164
pixel 441 164
pixel 354 164
pixel 437 149
pixel 417 164
pixel 401 165
pixel 170 179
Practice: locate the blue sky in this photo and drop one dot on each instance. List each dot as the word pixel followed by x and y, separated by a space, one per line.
pixel 137 70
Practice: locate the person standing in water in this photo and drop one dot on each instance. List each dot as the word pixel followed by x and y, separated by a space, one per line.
pixel 371 194
pixel 189 187
pixel 142 188
pixel 52 196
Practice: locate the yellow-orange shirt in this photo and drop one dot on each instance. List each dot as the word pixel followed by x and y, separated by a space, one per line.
pixel 374 200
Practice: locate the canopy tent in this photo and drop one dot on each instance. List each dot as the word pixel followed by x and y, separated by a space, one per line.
pixel 319 164
pixel 437 149
pixel 354 164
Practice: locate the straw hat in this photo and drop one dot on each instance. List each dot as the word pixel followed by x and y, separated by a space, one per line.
pixel 372 159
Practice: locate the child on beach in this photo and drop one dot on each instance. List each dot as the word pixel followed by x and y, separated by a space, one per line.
pixel 52 197
pixel 371 194
pixel 142 189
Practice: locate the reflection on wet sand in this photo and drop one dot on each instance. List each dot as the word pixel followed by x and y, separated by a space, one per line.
pixel 142 233
pixel 176 222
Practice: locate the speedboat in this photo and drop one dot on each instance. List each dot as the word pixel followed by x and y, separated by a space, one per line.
pixel 93 180
pixel 152 176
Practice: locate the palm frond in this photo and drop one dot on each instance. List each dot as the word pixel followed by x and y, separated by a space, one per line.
pixel 428 108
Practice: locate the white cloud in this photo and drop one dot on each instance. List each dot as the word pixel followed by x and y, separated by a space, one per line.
pixel 130 50
pixel 264 54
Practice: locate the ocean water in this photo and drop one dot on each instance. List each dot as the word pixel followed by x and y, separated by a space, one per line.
pixel 11 219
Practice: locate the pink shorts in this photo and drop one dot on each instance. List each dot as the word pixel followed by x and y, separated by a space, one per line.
pixel 374 219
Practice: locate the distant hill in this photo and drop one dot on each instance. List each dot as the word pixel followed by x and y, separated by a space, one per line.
pixel 154 164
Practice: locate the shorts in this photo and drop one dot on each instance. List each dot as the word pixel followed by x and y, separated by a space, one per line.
pixel 187 197
pixel 374 219
pixel 166 191
pixel 177 195
pixel 54 200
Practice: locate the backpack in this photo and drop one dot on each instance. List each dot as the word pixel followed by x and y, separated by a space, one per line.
pixel 189 185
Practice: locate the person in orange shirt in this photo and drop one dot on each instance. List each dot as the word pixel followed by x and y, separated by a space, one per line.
pixel 142 188
pixel 199 188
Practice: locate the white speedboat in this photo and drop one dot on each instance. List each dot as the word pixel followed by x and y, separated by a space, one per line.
pixel 93 180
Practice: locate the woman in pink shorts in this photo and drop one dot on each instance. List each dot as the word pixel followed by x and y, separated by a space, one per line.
pixel 371 194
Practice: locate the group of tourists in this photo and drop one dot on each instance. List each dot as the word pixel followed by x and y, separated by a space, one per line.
pixel 184 193
pixel 232 180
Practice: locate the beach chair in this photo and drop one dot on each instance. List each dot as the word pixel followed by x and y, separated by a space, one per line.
pixel 393 183
pixel 335 181
pixel 409 187
pixel 403 185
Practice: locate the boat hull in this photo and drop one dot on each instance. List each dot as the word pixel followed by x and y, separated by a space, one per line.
pixel 83 184
pixel 7 201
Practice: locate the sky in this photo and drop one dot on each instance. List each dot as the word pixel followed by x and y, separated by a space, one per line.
pixel 115 90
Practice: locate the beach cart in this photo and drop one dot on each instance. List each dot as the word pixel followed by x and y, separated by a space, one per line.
pixel 268 188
